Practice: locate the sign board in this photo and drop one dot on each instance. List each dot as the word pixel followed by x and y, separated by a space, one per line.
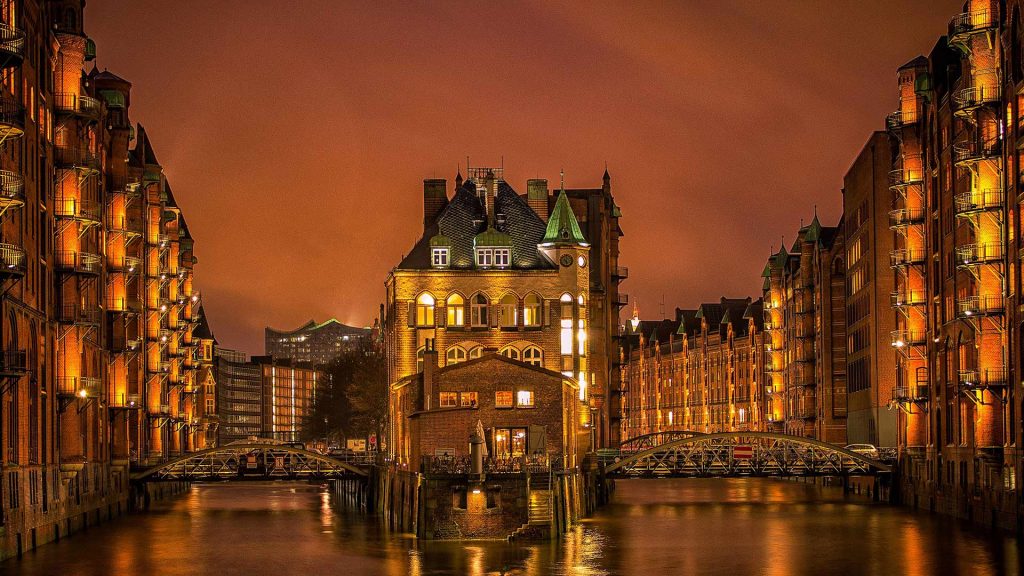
pixel 356 444
pixel 373 441
pixel 444 452
pixel 743 452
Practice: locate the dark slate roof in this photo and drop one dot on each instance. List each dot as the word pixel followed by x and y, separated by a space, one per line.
pixel 657 330
pixel 689 322
pixel 147 156
pixel 203 331
pixel 755 312
pixel 109 76
pixel 465 217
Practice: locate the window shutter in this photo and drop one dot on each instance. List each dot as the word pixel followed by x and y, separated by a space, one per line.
pixel 440 315
pixel 412 314
pixel 495 311
pixel 552 311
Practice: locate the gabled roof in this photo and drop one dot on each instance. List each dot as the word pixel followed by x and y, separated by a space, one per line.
pixel 562 224
pixel 147 156
pixel 203 331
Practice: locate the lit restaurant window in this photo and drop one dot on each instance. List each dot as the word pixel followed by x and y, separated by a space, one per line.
pixel 449 399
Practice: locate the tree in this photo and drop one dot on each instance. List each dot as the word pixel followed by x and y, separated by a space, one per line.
pixel 353 400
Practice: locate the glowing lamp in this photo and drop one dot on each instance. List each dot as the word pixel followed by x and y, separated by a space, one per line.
pixel 476 490
pixel 82 393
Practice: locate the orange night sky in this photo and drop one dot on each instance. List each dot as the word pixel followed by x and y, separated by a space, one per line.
pixel 296 134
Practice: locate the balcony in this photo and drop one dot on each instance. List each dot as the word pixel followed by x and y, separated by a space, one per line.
pixel 963 26
pixel 78 262
pixel 984 378
pixel 967 100
pixel 161 240
pixel 12 46
pixel 621 299
pixel 78 316
pixel 906 257
pixel 898 119
pixel 979 254
pixel 79 386
pixel 899 219
pixel 161 335
pixel 903 338
pixel 13 363
pixel 124 305
pixel 907 175
pixel 12 118
pixel 121 343
pixel 126 225
pixel 76 157
pixel 12 261
pixel 968 152
pixel 12 189
pixel 620 272
pixel 904 298
pixel 917 393
pixel 127 264
pixel 85 107
pixel 84 211
pixel 972 306
pixel 124 401
pixel 969 203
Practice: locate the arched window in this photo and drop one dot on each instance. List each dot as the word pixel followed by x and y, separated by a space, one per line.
pixel 478 310
pixel 425 310
pixel 419 359
pixel 510 352
pixel 455 355
pixel 509 311
pixel 476 352
pixel 456 310
pixel 533 355
pixel 532 311
pixel 566 324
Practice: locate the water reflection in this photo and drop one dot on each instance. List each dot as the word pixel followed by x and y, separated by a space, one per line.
pixel 653 527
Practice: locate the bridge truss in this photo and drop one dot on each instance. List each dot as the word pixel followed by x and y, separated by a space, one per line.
pixel 734 454
pixel 251 462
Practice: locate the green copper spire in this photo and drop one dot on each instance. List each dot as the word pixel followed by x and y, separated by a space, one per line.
pixel 562 225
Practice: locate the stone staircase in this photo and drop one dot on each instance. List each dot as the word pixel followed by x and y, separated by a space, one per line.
pixel 541 514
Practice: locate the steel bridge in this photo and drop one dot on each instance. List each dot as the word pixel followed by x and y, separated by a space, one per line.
pixel 736 454
pixel 252 461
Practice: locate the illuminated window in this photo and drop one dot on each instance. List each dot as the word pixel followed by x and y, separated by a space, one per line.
pixel 510 352
pixel 581 337
pixel 456 310
pixel 531 311
pixel 533 355
pixel 524 398
pixel 509 311
pixel 455 355
pixel 439 257
pixel 449 399
pixel 468 399
pixel 476 352
pixel 419 359
pixel 503 399
pixel 425 310
pixel 484 257
pixel 501 257
pixel 478 310
pixel 566 325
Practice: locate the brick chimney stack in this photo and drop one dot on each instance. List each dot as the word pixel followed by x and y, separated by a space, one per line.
pixel 429 367
pixel 435 198
pixel 537 196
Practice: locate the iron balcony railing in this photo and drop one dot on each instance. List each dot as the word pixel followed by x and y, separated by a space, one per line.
pixel 75 157
pixel 899 119
pixel 12 260
pixel 906 257
pixel 966 24
pixel 979 201
pixel 164 409
pixel 904 338
pixel 12 45
pixel 80 316
pixel 970 306
pixel 12 115
pixel 13 362
pixel 916 393
pixel 78 262
pixel 968 99
pixel 124 224
pixel 124 400
pixel 901 298
pixel 908 173
pixel 979 254
pixel 121 343
pixel 126 264
pixel 79 386
pixel 84 106
pixel 621 299
pixel 983 378
pixel 970 151
pixel 85 210
pixel 12 187
pixel 905 217
pixel 161 240
pixel 620 272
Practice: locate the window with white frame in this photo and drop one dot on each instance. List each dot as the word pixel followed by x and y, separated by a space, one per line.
pixel 533 355
pixel 456 311
pixel 509 306
pixel 484 257
pixel 425 310
pixel 502 256
pixel 476 352
pixel 532 311
pixel 439 257
pixel 455 355
pixel 510 352
pixel 478 310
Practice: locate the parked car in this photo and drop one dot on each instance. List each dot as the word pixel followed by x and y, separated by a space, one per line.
pixel 868 450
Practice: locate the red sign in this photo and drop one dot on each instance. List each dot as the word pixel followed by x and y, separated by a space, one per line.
pixel 743 452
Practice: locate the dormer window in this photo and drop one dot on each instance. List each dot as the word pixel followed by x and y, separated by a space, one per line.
pixel 484 257
pixel 501 257
pixel 439 257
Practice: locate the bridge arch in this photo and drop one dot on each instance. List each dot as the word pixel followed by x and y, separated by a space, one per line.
pixel 255 461
pixel 647 441
pixel 745 454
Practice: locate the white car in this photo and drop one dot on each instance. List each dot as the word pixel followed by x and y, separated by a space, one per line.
pixel 868 450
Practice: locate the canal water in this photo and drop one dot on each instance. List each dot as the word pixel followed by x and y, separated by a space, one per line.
pixel 654 527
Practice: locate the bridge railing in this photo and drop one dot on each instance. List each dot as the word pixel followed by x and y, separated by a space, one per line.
pixel 451 465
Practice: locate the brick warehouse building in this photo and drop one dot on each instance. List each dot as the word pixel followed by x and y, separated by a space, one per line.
pixel 99 367
pixel 701 372
pixel 496 270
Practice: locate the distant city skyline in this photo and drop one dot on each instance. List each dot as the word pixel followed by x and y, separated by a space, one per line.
pixel 360 116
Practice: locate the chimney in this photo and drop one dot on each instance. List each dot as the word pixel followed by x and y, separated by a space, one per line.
pixel 537 197
pixel 435 198
pixel 429 367
pixel 492 190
